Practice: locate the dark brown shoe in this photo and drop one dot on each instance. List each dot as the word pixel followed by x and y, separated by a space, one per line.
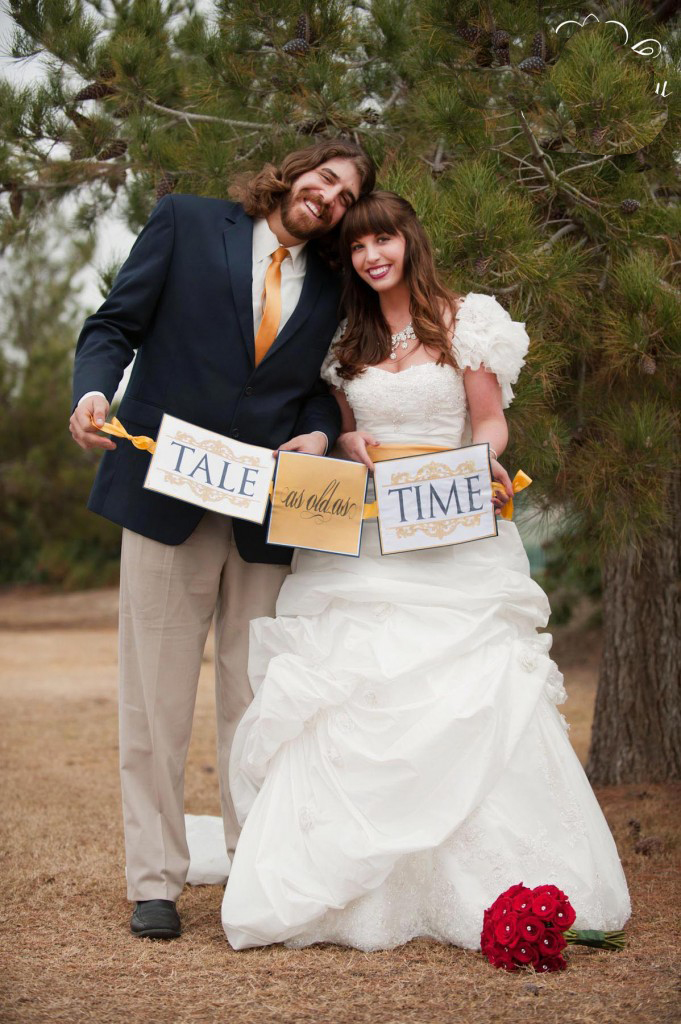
pixel 155 919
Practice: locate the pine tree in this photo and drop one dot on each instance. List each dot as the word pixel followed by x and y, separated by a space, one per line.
pixel 47 535
pixel 545 167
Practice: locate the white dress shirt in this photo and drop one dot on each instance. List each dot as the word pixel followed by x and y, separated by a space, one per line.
pixel 265 243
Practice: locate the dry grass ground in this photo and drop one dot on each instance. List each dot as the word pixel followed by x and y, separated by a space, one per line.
pixel 68 955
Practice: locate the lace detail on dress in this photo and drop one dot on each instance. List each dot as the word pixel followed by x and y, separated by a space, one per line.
pixel 423 399
pixel 486 335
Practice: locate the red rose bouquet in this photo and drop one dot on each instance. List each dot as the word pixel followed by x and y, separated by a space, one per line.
pixel 531 927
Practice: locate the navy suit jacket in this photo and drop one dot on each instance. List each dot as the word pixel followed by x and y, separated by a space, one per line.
pixel 183 300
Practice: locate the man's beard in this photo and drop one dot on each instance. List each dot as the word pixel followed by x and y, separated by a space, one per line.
pixel 300 224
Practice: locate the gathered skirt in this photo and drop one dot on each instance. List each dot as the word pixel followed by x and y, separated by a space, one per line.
pixel 404 761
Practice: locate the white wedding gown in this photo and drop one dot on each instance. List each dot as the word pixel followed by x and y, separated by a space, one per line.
pixel 403 761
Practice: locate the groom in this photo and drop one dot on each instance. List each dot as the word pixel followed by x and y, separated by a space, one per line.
pixel 230 310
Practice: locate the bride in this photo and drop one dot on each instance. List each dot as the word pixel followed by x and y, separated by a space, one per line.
pixel 403 761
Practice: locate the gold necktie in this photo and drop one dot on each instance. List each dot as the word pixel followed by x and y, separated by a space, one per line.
pixel 271 316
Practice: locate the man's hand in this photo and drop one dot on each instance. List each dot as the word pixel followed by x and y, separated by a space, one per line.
pixel 500 475
pixel 82 430
pixel 309 444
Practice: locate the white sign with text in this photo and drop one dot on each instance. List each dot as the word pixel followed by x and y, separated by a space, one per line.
pixel 430 501
pixel 212 471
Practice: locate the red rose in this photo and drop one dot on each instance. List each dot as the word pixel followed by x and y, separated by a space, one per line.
pixel 526 953
pixel 544 906
pixel 564 916
pixel 505 961
pixel 522 902
pixel 551 943
pixel 514 890
pixel 551 963
pixel 506 930
pixel 530 928
pixel 549 890
pixel 500 908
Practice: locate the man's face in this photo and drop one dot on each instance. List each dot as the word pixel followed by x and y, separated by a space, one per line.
pixel 319 198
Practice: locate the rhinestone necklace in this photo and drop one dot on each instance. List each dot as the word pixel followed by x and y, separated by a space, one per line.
pixel 402 337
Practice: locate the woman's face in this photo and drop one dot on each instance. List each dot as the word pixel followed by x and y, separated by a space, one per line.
pixel 379 260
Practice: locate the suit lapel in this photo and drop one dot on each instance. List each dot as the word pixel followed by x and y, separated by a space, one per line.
pixel 238 239
pixel 312 283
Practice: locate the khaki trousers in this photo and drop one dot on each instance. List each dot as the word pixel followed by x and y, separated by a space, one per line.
pixel 169 595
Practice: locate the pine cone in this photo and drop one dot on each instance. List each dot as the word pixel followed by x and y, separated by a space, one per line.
pixel 165 186
pixel 481 265
pixel 80 120
pixel 532 65
pixel 647 365
pixel 538 48
pixel 502 54
pixel 469 33
pixel 116 177
pixel 303 28
pixel 296 48
pixel 500 39
pixel 95 91
pixel 117 148
pixel 125 110
pixel 599 135
pixel 16 201
pixel 630 205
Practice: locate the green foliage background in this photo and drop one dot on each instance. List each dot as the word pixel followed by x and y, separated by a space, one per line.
pixel 46 533
pixel 553 185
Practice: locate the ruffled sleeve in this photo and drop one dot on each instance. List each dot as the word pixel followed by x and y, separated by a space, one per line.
pixel 329 368
pixel 486 336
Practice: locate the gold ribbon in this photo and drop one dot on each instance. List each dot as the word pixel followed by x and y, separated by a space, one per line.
pixel 520 481
pixel 116 429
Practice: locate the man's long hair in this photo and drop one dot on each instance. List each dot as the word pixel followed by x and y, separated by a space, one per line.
pixel 261 193
pixel 366 340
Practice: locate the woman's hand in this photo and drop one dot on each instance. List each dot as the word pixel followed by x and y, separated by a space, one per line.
pixel 353 445
pixel 500 475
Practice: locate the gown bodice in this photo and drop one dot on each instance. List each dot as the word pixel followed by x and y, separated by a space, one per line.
pixel 426 403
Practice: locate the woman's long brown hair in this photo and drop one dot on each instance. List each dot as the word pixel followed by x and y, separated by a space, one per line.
pixel 366 340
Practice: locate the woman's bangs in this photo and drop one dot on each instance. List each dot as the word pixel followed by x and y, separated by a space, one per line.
pixel 369 216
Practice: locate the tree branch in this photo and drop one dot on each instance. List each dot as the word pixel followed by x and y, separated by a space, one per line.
pixel 579 167
pixel 185 115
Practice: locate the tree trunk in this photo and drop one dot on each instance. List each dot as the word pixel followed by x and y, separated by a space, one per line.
pixel 636 734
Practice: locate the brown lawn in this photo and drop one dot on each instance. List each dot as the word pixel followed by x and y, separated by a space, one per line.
pixel 69 956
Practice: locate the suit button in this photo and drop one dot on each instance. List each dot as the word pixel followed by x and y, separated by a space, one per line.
pixel 235 433
pixel 248 391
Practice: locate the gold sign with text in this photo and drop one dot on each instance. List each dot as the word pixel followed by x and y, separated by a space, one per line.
pixel 318 503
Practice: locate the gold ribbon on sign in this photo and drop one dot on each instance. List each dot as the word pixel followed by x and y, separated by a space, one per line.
pixel 520 481
pixel 116 429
